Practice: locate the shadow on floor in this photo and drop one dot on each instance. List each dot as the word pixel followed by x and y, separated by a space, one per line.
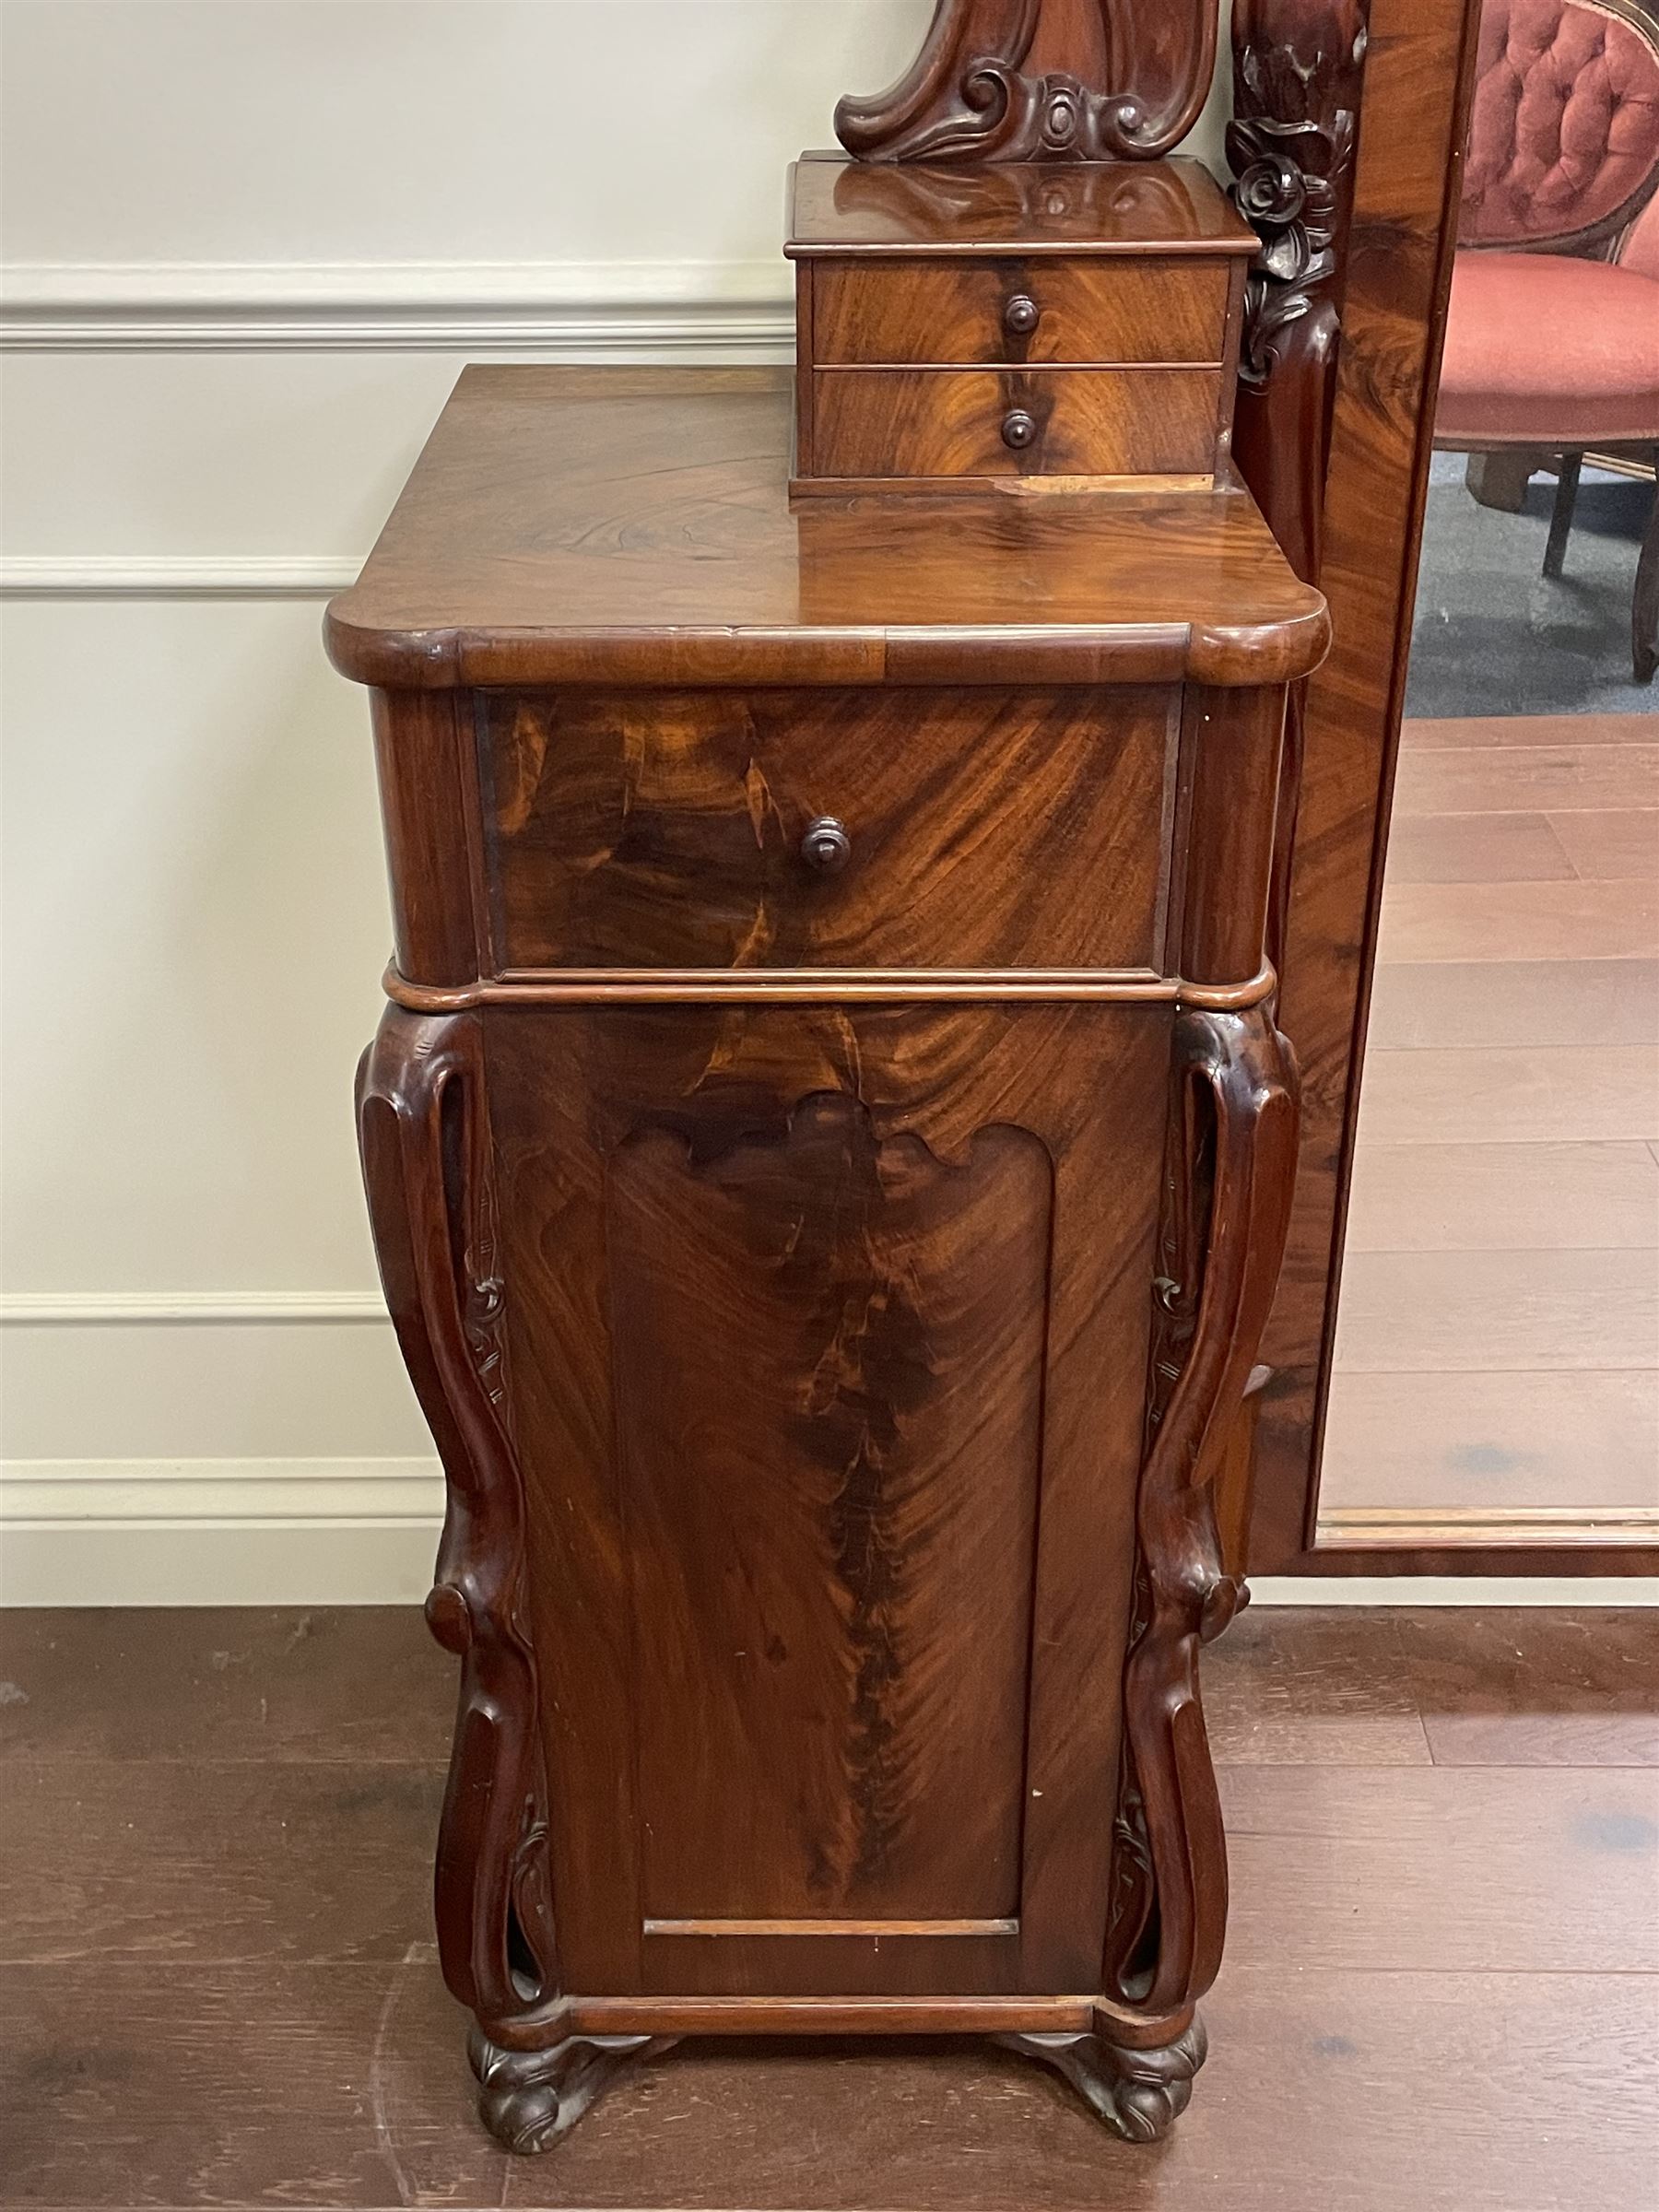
pixel 1494 636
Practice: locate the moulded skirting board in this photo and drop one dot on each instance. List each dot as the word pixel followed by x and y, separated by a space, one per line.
pixel 218 1532
pixel 365 1532
pixel 169 576
pixel 1480 1589
pixel 216 1563
pixel 80 1309
pixel 570 311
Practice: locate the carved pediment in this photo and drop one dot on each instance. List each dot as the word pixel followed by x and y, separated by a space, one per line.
pixel 1035 80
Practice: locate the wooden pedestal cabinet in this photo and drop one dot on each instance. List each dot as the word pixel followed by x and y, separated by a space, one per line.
pixel 828 1148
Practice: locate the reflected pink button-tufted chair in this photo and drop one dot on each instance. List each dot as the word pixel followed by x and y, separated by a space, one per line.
pixel 1552 342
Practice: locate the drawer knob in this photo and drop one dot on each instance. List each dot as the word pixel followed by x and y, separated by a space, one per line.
pixel 1018 429
pixel 1021 315
pixel 826 846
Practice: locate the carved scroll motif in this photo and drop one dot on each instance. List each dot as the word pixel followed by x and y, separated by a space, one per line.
pixel 426 1168
pixel 1042 80
pixel 1298 70
pixel 1232 1154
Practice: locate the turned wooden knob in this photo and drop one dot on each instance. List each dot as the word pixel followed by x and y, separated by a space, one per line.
pixel 826 846
pixel 1018 429
pixel 1019 317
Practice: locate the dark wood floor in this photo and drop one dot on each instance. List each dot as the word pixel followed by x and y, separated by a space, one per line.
pixel 1442 1986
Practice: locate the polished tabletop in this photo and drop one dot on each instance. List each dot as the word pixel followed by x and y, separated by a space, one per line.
pixel 623 526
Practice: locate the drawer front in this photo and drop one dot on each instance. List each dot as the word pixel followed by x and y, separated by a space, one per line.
pixel 1047 422
pixel 983 828
pixel 1036 310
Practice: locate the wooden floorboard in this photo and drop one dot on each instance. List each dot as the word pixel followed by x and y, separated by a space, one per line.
pixel 1426 1869
pixel 1502 1221
pixel 1478 848
pixel 1469 1197
pixel 1494 1310
pixel 1527 921
pixel 211 1862
pixel 1494 1439
pixel 1510 732
pixel 1534 1687
pixel 1520 1003
pixel 1477 1094
pixel 1439 1990
pixel 1547 779
pixel 233 1682
pixel 1608 847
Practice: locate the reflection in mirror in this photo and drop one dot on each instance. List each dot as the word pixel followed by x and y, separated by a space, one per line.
pixel 1496 1372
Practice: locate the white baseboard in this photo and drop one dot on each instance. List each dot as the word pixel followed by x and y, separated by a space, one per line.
pixel 236 1532
pixel 217 1563
pixel 1454 1589
pixel 364 1532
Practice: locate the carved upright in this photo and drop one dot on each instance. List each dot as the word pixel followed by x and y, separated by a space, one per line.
pixel 828 1144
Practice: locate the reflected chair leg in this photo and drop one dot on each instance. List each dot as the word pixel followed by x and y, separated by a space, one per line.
pixel 1560 519
pixel 1499 478
pixel 1644 608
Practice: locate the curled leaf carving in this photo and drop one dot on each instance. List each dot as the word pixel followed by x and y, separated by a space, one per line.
pixel 1027 80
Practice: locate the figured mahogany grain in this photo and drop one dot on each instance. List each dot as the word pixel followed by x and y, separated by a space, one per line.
pixel 664 829
pixel 822 1366
pixel 633 526
pixel 833 1364
pixel 1087 310
pixel 872 423
pixel 875 1317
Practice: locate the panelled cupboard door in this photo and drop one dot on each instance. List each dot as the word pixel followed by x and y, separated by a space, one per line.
pixel 826 1353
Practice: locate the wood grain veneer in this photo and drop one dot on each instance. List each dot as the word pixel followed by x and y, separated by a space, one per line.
pixel 829 1151
pixel 892 274
pixel 954 422
pixel 1106 309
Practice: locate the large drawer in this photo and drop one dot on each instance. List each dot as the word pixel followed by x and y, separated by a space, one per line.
pixel 874 423
pixel 957 311
pixel 982 827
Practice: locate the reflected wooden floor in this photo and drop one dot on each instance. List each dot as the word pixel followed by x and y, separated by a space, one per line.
pixel 1498 1345
pixel 1442 1985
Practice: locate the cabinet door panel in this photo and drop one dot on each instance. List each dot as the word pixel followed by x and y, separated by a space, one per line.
pixel 828 1356
pixel 829 1362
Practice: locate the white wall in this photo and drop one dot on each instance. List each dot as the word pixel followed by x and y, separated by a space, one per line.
pixel 248 245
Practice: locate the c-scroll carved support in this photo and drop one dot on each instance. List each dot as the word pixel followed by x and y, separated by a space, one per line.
pixel 1298 67
pixel 1232 1165
pixel 528 2099
pixel 425 1144
pixel 1139 2093
pixel 1036 80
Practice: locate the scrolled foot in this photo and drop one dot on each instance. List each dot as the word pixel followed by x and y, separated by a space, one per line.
pixel 1138 2093
pixel 528 2099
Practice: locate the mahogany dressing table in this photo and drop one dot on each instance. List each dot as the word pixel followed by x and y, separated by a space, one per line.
pixel 828 1144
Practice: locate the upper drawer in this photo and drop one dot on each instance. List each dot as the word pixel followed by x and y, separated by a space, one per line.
pixel 940 311
pixel 983 828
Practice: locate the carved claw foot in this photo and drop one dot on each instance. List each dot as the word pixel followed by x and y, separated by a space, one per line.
pixel 528 2099
pixel 1138 2093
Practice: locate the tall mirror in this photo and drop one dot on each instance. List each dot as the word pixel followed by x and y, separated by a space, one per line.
pixel 1495 1376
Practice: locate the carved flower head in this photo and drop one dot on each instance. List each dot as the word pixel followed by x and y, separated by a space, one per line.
pixel 1270 191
